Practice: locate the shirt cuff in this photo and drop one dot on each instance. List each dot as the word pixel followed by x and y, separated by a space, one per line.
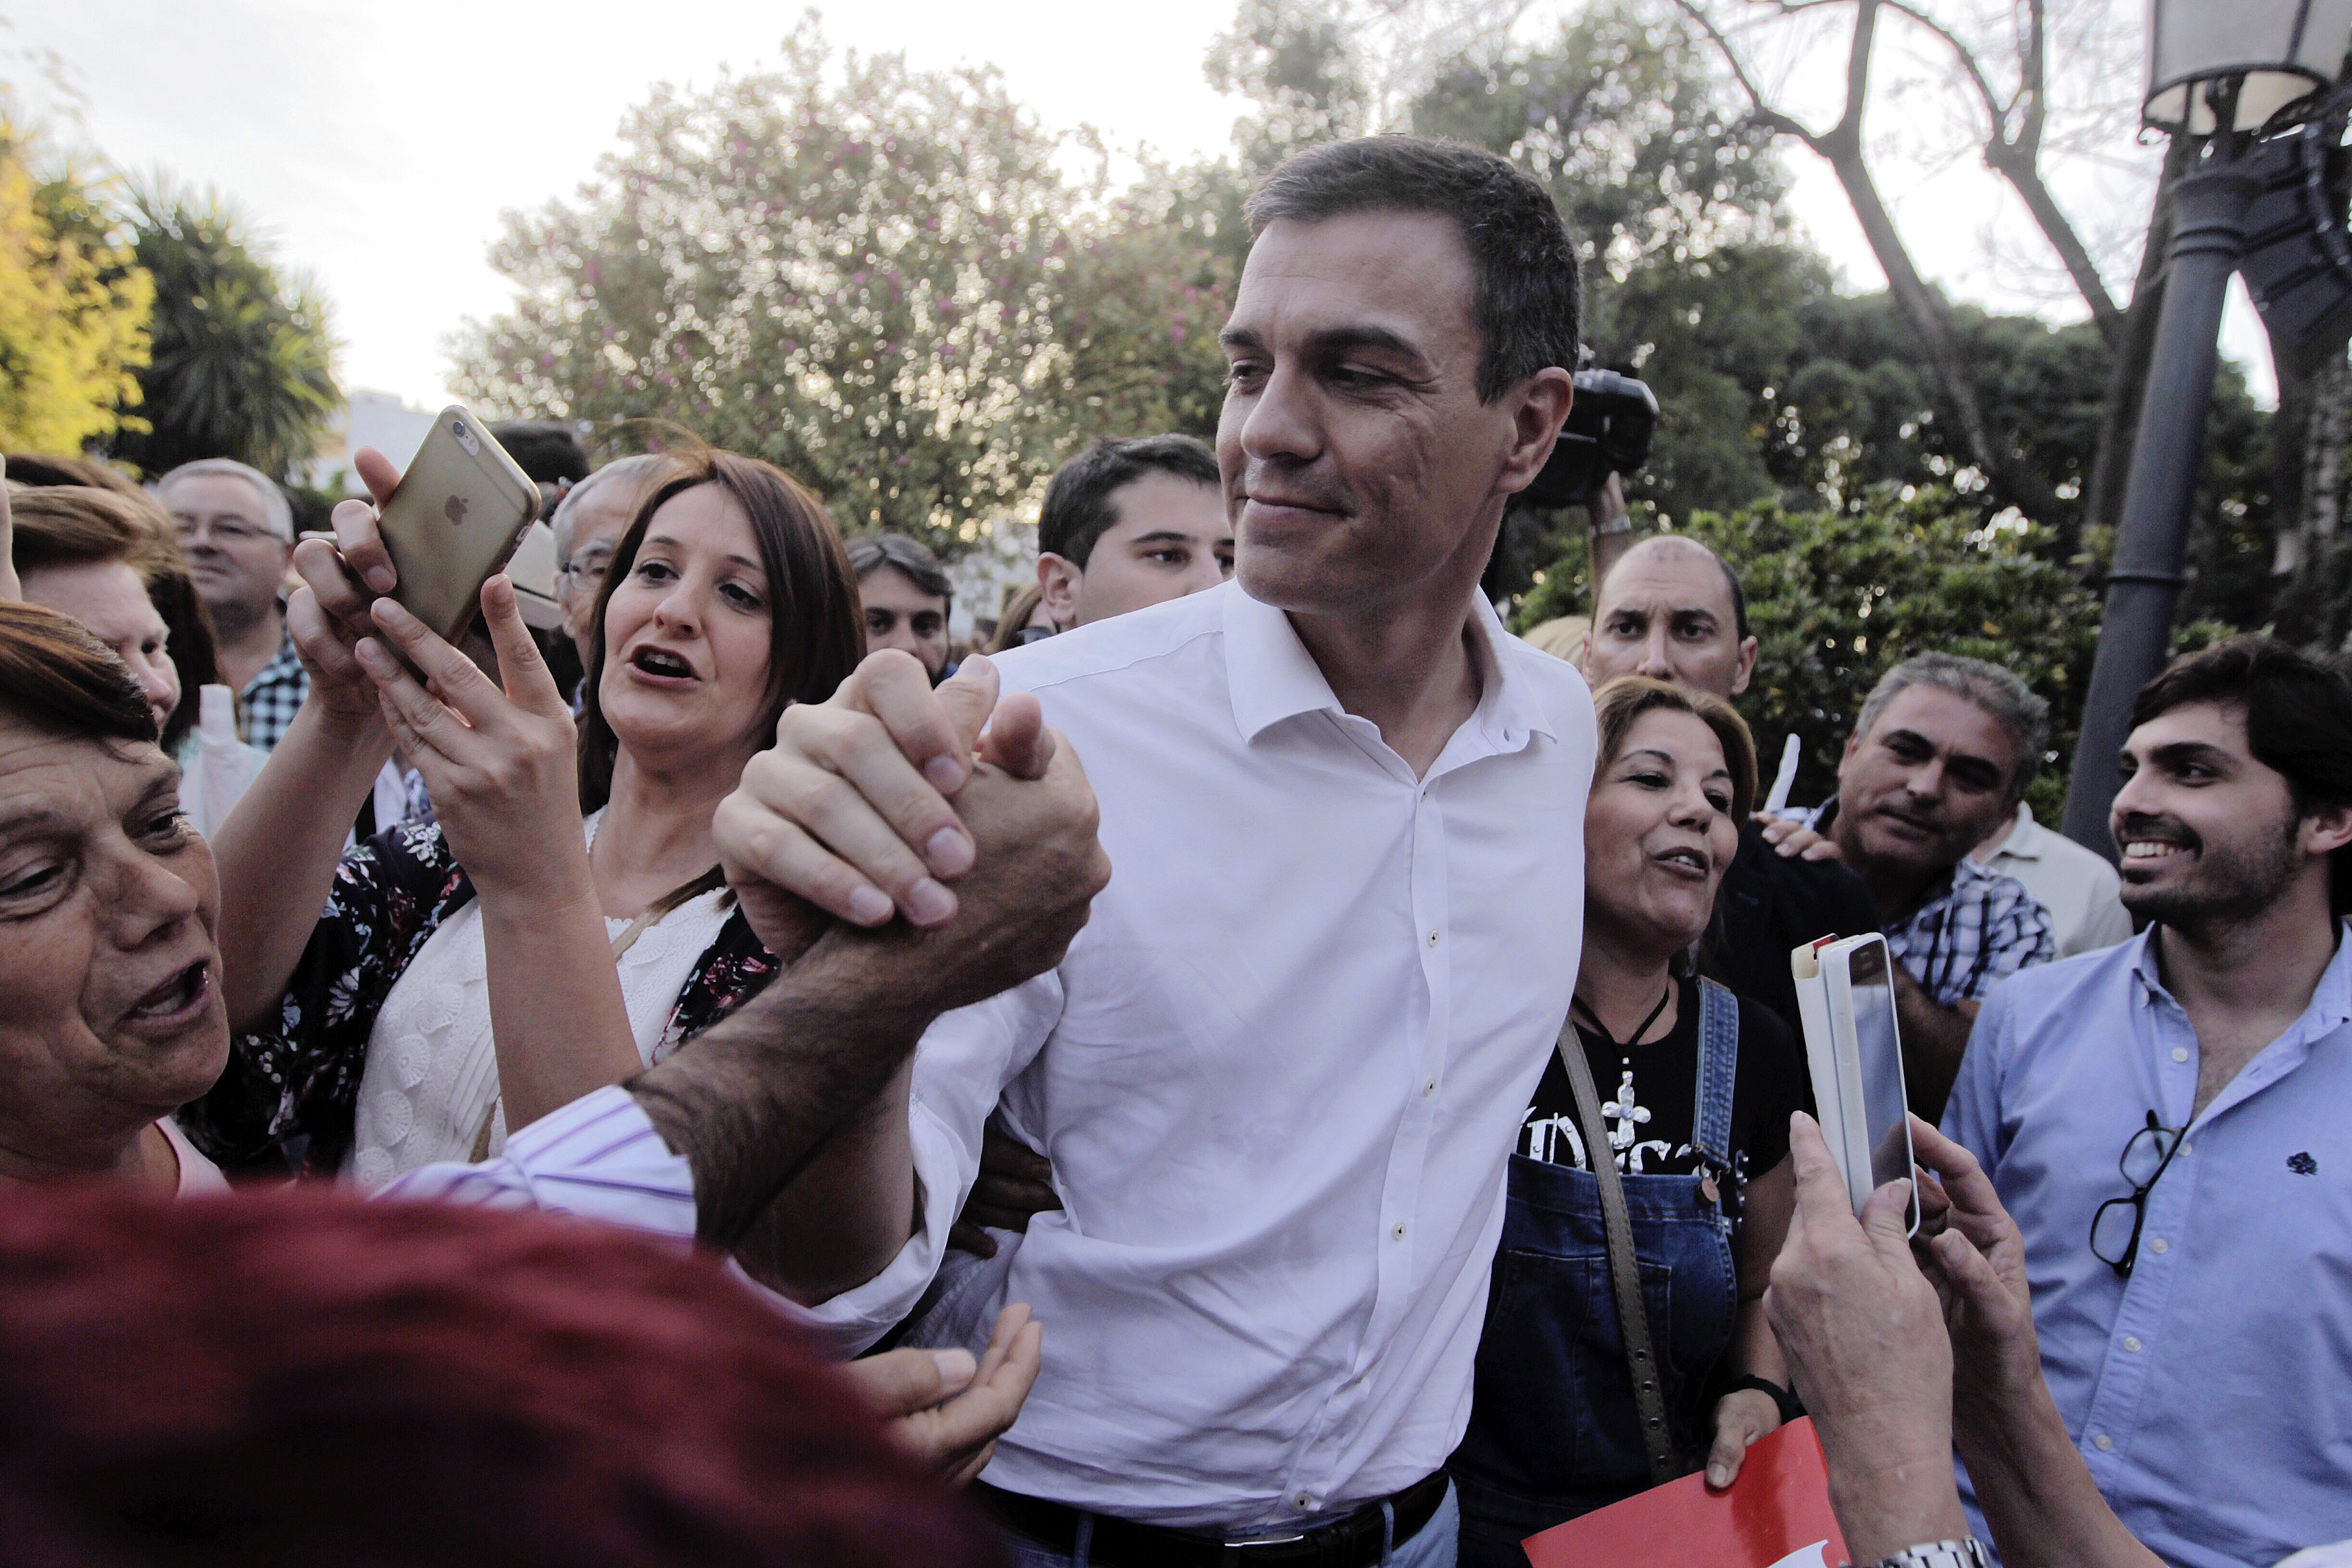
pixel 850 1323
pixel 598 1158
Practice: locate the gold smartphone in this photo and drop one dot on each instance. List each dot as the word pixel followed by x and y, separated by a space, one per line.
pixel 459 513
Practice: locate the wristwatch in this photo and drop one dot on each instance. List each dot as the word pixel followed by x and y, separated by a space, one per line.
pixel 1966 1554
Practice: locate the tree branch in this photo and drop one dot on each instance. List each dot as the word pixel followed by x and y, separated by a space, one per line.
pixel 1775 119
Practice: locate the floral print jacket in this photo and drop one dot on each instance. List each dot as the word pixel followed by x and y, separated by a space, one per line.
pixel 289 1096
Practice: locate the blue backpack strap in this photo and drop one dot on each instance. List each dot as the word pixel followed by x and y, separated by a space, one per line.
pixel 1718 1071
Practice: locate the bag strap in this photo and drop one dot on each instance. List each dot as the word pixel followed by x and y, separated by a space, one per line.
pixel 1624 1274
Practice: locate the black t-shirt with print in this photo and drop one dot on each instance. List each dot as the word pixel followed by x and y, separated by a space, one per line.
pixel 1657 1084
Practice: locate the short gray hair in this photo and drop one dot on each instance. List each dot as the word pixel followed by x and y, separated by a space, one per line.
pixel 1992 689
pixel 644 468
pixel 869 552
pixel 276 509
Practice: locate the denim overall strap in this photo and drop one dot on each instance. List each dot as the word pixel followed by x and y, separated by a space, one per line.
pixel 1718 1071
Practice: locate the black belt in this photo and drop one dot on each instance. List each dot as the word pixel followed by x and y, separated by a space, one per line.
pixel 1351 1540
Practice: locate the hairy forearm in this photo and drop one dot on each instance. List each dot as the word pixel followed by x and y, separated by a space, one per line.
pixel 2038 1498
pixel 278 850
pixel 557 1017
pixel 1934 1038
pixel 849 1211
pixel 751 1101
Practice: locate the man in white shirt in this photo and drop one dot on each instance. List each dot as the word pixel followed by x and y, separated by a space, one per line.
pixel 2080 893
pixel 1278 1074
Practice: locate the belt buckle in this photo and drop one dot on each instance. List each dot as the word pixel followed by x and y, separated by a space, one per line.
pixel 1295 1535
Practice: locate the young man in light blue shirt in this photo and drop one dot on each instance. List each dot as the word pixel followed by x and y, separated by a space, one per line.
pixel 2166 1121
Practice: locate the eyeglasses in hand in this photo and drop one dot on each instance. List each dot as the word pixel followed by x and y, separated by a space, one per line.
pixel 2114 1229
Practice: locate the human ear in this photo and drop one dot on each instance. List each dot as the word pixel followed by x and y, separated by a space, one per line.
pixel 1746 666
pixel 1541 408
pixel 1057 588
pixel 2327 829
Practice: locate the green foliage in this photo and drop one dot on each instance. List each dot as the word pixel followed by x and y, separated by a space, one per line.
pixel 244 360
pixel 1837 598
pixel 1294 60
pixel 74 304
pixel 852 279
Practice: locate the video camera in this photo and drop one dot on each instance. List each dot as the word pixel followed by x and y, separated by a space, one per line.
pixel 1609 430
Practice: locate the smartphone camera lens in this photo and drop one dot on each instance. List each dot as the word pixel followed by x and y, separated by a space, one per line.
pixel 464 438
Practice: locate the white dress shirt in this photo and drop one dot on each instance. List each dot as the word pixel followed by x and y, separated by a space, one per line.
pixel 2079 890
pixel 1278 1074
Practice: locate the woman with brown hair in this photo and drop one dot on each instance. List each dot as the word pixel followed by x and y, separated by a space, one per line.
pixel 1698 1087
pixel 469 976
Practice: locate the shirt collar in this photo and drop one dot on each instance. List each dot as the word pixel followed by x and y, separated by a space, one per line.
pixel 1271 676
pixel 2027 838
pixel 2331 999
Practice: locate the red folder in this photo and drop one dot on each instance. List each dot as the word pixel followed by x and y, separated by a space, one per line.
pixel 1776 1515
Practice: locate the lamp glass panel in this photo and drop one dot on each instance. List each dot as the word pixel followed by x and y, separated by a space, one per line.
pixel 2283 49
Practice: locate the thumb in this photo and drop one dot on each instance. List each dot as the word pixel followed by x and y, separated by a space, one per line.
pixel 969 697
pixel 529 684
pixel 377 470
pixel 1886 1216
pixel 1017 740
pixel 1730 1449
pixel 900 1383
pixel 1969 1275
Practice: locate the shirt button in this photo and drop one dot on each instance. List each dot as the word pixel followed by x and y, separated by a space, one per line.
pixel 1429 1087
pixel 2159 1245
pixel 1304 1500
pixel 2103 1442
pixel 2181 1052
pixel 1433 938
pixel 1398 1231
pixel 2131 1343
pixel 2185 1148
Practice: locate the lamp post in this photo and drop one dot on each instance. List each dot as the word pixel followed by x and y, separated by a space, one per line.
pixel 2223 72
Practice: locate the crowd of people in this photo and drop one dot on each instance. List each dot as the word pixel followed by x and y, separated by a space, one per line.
pixel 1261 1067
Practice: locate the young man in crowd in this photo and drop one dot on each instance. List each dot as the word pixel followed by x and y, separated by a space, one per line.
pixel 2165 1121
pixel 2076 887
pixel 1942 754
pixel 1281 1070
pixel 1671 609
pixel 1128 524
pixel 238 531
pixel 907 596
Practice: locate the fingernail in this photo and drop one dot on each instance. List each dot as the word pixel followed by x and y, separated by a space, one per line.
pixel 381 579
pixel 870 906
pixel 1717 1476
pixel 955 1366
pixel 945 773
pixel 930 903
pixel 949 851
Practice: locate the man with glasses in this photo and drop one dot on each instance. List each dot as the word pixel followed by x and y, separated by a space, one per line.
pixel 237 532
pixel 587 525
pixel 2166 1119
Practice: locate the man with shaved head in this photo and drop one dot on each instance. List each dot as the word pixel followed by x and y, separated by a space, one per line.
pixel 1672 610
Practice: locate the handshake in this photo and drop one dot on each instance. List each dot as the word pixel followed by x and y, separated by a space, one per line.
pixel 959 812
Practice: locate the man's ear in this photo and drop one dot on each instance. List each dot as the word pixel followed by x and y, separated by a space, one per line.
pixel 1540 408
pixel 1747 666
pixel 1057 587
pixel 2327 829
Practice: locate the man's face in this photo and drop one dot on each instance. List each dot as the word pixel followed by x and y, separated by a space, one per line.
pixel 1667 612
pixel 1360 469
pixel 1925 785
pixel 597 524
pixel 898 613
pixel 1172 538
pixel 2208 832
pixel 237 562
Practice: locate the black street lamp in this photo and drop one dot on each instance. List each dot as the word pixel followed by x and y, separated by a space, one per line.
pixel 2224 72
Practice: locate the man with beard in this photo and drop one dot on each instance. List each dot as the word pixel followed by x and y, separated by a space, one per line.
pixel 1942 752
pixel 2165 1121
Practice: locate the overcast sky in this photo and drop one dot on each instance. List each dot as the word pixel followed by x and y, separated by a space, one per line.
pixel 377 145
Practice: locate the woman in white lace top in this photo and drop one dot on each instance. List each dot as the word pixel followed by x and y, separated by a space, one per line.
pixel 469 976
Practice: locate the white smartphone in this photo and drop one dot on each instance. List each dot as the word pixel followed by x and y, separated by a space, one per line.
pixel 1853 1045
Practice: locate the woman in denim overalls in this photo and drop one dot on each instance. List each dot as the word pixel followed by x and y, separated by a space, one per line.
pixel 1553 1429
